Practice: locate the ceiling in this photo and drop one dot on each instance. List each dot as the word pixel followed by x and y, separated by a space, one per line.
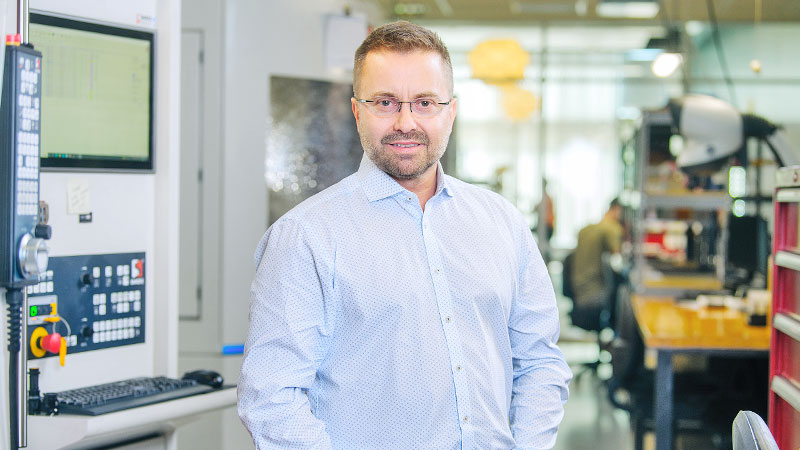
pixel 571 10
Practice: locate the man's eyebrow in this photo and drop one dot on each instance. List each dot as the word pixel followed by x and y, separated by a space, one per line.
pixel 383 94
pixel 426 94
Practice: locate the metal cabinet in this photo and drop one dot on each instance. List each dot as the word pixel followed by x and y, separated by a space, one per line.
pixel 784 395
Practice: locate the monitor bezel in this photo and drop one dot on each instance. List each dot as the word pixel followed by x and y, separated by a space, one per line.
pixel 101 164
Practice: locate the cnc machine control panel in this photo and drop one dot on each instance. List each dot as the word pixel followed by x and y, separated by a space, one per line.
pixel 93 301
pixel 23 252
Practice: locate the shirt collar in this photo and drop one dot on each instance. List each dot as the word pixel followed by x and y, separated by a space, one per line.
pixel 378 185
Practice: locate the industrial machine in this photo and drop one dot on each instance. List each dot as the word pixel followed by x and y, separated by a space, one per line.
pixel 714 131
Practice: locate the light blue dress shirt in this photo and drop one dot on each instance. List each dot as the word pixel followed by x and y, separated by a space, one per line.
pixel 375 325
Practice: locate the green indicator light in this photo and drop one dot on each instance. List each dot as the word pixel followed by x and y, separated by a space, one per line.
pixel 34 311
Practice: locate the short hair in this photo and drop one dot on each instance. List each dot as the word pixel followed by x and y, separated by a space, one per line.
pixel 614 203
pixel 401 36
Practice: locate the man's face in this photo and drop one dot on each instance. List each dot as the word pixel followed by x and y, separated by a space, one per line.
pixel 404 145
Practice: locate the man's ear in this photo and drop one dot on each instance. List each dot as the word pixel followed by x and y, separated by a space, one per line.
pixel 354 106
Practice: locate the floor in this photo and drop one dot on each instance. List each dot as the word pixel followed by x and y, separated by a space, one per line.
pixel 590 421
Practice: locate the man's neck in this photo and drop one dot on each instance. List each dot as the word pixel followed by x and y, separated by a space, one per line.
pixel 424 186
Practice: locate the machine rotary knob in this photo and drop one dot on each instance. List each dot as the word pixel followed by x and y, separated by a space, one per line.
pixel 33 256
pixel 87 279
pixel 87 331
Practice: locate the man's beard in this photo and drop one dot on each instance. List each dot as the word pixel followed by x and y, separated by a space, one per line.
pixel 393 164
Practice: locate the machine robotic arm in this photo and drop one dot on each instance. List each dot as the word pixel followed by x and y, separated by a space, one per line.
pixel 714 130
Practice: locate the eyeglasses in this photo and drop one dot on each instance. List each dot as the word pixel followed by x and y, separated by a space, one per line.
pixel 388 106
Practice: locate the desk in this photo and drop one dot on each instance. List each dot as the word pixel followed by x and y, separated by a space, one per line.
pixel 671 327
pixel 696 282
pixel 76 432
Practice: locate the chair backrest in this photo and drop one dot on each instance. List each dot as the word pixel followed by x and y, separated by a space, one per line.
pixel 566 277
pixel 749 432
pixel 591 313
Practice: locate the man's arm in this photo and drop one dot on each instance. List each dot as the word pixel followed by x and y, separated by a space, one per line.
pixel 287 319
pixel 541 374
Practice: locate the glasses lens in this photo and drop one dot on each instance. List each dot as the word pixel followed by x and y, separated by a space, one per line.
pixel 383 106
pixel 426 107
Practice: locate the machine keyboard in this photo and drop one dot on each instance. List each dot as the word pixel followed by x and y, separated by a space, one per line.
pixel 126 394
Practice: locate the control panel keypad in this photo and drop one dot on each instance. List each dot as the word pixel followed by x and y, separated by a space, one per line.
pixel 102 297
pixel 28 114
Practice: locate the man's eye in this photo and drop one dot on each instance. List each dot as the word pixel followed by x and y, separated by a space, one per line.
pixel 384 102
pixel 425 103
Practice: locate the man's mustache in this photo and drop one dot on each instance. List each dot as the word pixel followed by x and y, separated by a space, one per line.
pixel 416 136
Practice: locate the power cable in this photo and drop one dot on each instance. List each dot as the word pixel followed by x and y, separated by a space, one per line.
pixel 726 73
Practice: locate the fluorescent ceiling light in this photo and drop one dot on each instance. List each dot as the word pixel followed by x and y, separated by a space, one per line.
pixel 627 9
pixel 539 7
pixel 665 64
pixel 643 54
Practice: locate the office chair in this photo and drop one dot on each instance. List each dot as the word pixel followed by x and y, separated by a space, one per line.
pixel 749 432
pixel 590 314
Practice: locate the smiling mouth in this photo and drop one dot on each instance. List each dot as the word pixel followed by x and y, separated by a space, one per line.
pixel 404 144
pixel 405 141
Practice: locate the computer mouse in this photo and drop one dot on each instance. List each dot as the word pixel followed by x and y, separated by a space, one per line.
pixel 208 377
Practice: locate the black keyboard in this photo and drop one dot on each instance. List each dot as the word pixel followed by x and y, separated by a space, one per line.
pixel 126 394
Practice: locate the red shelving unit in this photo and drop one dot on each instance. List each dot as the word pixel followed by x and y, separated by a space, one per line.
pixel 784 365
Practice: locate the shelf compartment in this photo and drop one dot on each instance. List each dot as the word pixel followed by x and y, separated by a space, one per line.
pixel 783 423
pixel 789 260
pixel 695 201
pixel 785 348
pixel 788 195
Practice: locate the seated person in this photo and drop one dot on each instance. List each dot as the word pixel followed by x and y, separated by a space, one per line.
pixel 589 283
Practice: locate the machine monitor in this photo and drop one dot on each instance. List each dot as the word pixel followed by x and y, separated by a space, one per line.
pixel 97 95
pixel 748 244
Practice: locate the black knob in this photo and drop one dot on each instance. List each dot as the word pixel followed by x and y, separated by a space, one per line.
pixel 87 331
pixel 87 279
pixel 49 403
pixel 43 231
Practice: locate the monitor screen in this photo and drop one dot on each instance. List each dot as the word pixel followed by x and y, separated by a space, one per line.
pixel 97 95
pixel 748 243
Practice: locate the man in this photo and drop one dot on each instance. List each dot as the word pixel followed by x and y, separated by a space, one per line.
pixel 589 282
pixel 402 308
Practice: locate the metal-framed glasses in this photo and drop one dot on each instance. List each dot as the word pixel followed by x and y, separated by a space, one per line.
pixel 388 106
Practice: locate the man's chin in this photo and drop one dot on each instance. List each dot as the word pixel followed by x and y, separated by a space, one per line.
pixel 407 173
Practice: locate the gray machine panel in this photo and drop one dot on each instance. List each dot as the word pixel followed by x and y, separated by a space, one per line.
pixel 101 297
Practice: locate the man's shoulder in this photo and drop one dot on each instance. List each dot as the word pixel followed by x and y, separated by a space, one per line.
pixel 330 200
pixel 482 202
pixel 473 192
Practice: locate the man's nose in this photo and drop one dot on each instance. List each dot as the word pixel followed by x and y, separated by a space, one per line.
pixel 405 119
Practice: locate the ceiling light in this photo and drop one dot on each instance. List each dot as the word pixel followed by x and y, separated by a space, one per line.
pixel 541 8
pixel 627 9
pixel 665 64
pixel 409 9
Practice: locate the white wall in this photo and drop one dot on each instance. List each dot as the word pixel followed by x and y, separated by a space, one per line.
pixel 261 38
pixel 244 43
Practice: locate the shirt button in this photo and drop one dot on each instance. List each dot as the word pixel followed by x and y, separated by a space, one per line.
pixel 458 368
pixel 438 270
pixel 448 319
pixel 466 419
pixel 410 198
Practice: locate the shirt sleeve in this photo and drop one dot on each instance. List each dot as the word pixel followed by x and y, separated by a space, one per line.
pixel 283 347
pixel 541 375
pixel 613 238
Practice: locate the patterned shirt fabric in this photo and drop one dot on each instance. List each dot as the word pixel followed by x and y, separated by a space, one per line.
pixel 375 325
